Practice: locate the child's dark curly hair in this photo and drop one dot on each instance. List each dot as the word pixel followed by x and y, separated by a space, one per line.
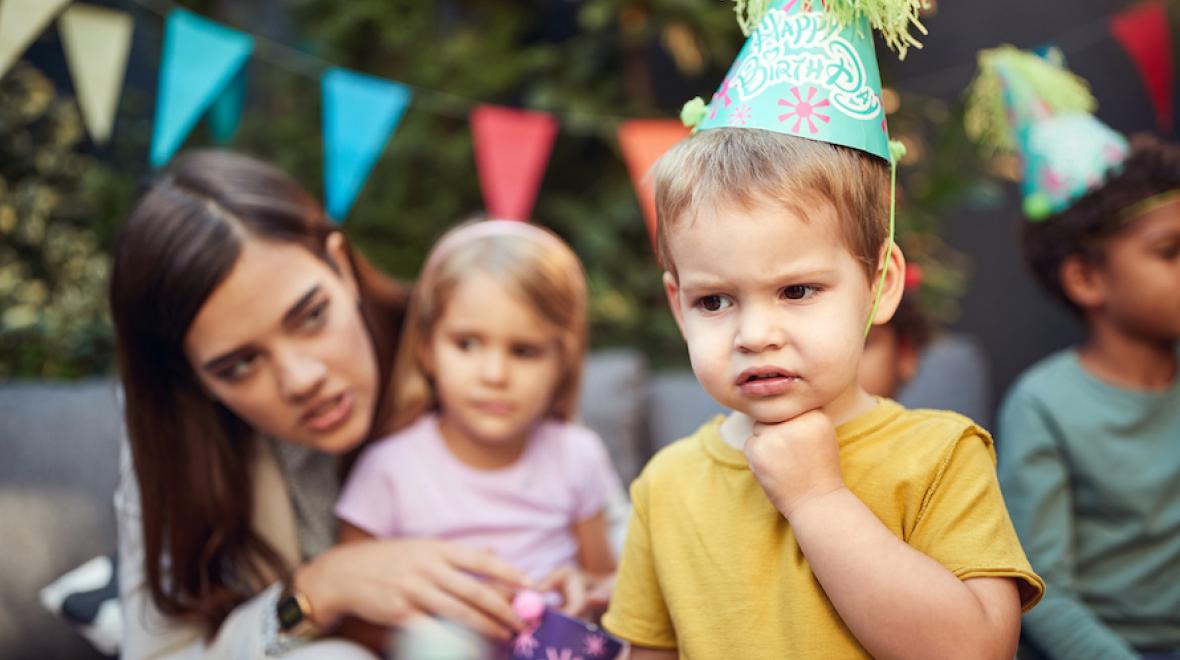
pixel 910 323
pixel 1151 168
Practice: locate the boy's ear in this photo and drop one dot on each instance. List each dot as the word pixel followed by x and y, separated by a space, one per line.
pixel 672 289
pixel 337 249
pixel 1081 282
pixel 893 287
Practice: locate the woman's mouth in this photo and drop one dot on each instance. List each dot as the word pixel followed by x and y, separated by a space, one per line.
pixel 765 381
pixel 329 414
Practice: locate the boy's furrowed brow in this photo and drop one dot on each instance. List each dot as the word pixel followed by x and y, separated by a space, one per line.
pixel 803 275
pixel 701 281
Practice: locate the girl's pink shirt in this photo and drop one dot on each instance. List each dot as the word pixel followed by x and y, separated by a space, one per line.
pixel 409 485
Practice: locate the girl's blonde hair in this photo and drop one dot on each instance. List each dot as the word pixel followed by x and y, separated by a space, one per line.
pixel 532 264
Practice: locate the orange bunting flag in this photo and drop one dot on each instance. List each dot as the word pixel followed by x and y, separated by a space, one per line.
pixel 643 141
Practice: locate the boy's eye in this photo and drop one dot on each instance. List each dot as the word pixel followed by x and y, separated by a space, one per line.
pixel 714 303
pixel 799 291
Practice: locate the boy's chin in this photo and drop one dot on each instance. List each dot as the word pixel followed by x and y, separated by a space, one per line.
pixel 773 413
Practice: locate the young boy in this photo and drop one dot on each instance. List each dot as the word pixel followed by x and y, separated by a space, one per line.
pixel 814 520
pixel 1090 437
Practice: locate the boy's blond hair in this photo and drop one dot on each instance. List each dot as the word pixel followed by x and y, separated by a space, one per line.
pixel 530 263
pixel 748 166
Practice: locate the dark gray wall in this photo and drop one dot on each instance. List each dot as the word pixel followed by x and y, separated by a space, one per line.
pixel 1004 307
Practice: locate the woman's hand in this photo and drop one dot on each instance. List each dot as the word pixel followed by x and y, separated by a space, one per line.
pixel 391 582
pixel 582 592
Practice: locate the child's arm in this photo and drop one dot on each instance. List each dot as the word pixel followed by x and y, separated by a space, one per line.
pixel 594 551
pixel 586 587
pixel 350 533
pixel 1034 476
pixel 896 601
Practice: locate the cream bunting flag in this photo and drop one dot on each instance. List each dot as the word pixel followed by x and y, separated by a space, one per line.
pixel 96 41
pixel 22 21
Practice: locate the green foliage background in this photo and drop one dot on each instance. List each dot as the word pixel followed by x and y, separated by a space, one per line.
pixel 591 63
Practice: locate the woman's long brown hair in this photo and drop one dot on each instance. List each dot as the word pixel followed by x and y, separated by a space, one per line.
pixel 191 454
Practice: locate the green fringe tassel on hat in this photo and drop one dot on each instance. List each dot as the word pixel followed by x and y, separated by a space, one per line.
pixel 891 18
pixel 987 115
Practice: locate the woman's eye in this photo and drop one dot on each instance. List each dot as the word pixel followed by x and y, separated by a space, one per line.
pixel 713 303
pixel 240 369
pixel 316 317
pixel 799 291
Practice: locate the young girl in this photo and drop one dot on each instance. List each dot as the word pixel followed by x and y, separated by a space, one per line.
pixel 484 450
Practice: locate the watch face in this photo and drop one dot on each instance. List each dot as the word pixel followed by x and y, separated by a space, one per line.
pixel 289 612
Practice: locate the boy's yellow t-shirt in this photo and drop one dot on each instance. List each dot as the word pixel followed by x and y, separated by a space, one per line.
pixel 711 568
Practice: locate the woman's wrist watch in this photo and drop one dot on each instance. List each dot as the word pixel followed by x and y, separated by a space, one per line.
pixel 294 613
pixel 289 623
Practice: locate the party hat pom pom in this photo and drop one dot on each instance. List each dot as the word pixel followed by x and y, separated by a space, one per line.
pixel 891 18
pixel 1037 207
pixel 693 112
pixel 897 151
pixel 1012 85
pixel 750 13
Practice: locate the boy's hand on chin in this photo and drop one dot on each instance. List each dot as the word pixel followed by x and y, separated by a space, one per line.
pixel 795 460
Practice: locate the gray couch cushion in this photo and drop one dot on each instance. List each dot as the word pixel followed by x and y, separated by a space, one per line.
pixel 678 405
pixel 613 405
pixel 953 374
pixel 60 464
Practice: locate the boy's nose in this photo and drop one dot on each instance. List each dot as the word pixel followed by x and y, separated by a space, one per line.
pixel 759 330
pixel 300 376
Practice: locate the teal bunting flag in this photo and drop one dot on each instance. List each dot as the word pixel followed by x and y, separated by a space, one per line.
pixel 360 112
pixel 200 59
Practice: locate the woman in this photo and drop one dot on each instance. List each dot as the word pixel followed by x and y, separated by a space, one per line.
pixel 254 350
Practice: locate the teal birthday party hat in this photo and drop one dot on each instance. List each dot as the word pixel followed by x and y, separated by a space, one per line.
pixel 809 69
pixel 1033 106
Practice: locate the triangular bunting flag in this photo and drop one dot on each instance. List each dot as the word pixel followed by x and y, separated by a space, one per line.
pixel 360 113
pixel 21 21
pixel 200 58
pixel 97 41
pixel 226 114
pixel 643 142
pixel 511 150
pixel 1145 34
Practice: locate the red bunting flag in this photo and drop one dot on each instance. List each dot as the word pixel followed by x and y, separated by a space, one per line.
pixel 511 152
pixel 643 142
pixel 1144 33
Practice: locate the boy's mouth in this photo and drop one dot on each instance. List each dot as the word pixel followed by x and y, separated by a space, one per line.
pixel 765 381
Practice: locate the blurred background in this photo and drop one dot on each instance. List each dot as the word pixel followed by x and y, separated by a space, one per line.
pixel 406 116
pixel 589 65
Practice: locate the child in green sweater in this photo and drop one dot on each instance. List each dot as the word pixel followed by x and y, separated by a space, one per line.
pixel 1089 438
